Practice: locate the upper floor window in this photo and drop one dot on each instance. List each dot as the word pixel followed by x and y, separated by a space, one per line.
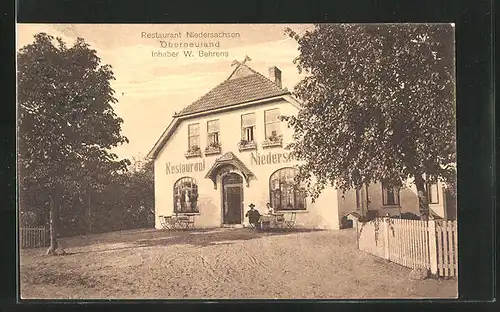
pixel 185 195
pixel 272 123
pixel 213 131
pixel 432 193
pixel 194 136
pixel 285 193
pixel 390 195
pixel 248 127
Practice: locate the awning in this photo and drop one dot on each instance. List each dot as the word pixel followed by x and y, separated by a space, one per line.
pixel 228 163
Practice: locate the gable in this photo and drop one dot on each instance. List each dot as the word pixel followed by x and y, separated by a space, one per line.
pixel 241 71
pixel 243 85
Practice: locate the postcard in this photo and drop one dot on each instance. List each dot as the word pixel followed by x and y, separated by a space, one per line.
pixel 237 161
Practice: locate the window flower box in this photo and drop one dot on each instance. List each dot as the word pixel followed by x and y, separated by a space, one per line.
pixel 213 149
pixel 273 141
pixel 244 145
pixel 193 151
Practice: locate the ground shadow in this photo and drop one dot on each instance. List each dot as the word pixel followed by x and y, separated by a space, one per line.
pixel 214 237
pixel 197 237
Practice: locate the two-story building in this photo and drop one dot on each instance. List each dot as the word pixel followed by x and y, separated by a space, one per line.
pixel 226 150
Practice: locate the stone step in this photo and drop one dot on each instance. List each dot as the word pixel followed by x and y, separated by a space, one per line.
pixel 233 226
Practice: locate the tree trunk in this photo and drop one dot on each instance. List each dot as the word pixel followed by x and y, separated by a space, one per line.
pixel 422 198
pixel 54 248
pixel 89 217
pixel 53 227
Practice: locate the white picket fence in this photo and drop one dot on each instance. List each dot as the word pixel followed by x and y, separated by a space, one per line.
pixel 447 247
pixel 34 237
pixel 412 243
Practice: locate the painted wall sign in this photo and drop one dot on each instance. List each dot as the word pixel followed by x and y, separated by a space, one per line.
pixel 271 158
pixel 183 168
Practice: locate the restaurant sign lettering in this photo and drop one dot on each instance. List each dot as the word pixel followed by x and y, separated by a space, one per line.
pixel 271 158
pixel 183 168
pixel 255 159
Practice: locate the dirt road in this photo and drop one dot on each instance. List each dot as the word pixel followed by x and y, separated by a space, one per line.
pixel 223 263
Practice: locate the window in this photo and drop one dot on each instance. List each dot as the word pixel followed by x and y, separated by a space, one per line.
pixel 390 195
pixel 284 193
pixel 432 193
pixel 213 132
pixel 272 123
pixel 194 136
pixel 185 195
pixel 248 127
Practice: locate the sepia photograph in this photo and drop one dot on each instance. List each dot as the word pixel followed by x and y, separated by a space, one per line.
pixel 237 161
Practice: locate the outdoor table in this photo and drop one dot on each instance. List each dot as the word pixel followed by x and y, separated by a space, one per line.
pixel 184 221
pixel 271 220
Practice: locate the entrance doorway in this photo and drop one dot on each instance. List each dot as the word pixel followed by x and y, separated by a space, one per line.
pixel 232 199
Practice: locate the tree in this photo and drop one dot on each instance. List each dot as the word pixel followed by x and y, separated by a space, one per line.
pixel 378 105
pixel 66 122
pixel 129 199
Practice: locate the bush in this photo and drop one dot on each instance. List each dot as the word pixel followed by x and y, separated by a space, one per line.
pixel 407 216
pixel 126 202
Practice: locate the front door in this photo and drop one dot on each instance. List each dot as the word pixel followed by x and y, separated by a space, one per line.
pixel 232 197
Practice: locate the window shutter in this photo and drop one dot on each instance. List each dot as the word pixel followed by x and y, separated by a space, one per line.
pixel 384 194
pixel 396 196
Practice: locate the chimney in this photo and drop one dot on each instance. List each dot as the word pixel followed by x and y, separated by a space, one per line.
pixel 275 75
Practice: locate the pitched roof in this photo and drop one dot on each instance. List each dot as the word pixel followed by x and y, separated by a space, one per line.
pixel 243 85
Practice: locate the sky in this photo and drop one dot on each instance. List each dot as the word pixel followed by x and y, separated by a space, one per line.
pixel 149 88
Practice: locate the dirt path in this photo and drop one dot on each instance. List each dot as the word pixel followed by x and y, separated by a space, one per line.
pixel 225 263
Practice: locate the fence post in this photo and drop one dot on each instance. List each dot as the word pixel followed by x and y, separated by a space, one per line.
pixel 386 237
pixel 432 247
pixel 357 233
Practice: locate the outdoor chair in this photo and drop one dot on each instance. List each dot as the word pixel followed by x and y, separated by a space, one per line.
pixel 290 223
pixel 280 221
pixel 190 222
pixel 166 222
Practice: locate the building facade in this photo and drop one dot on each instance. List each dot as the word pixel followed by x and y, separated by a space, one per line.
pixel 227 150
